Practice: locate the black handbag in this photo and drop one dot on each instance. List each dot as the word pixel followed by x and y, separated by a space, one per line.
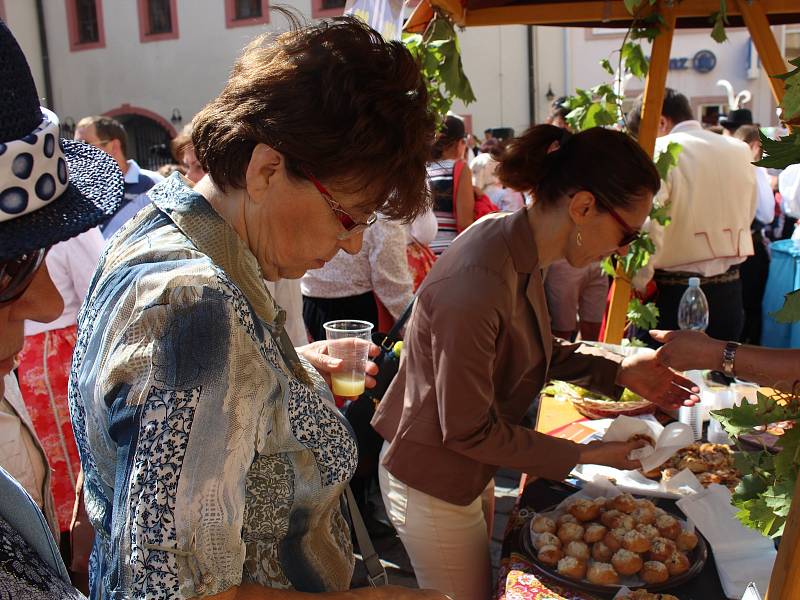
pixel 359 412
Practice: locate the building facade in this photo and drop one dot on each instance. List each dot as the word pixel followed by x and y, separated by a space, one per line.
pixel 154 63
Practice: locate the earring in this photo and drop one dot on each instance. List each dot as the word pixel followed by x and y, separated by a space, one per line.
pixel 579 239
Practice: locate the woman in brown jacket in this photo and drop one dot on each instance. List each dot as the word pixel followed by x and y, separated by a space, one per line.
pixel 479 349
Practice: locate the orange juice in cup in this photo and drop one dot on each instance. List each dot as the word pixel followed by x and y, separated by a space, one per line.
pixel 349 340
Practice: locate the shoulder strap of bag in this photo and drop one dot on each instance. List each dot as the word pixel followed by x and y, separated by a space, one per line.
pixel 375 571
pixel 394 332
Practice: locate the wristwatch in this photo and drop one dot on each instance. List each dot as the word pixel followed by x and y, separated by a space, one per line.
pixel 728 358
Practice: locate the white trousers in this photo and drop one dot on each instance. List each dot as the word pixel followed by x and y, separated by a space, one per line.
pixel 447 543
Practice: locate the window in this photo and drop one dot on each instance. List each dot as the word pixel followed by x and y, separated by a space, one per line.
pixel 792 43
pixel 158 20
pixel 243 13
pixel 321 9
pixel 88 30
pixel 85 24
pixel 248 9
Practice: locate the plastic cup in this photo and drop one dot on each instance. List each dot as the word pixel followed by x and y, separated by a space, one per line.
pixel 349 340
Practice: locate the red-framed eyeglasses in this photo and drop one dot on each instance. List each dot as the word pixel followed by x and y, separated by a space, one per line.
pixel 16 275
pixel 630 234
pixel 350 225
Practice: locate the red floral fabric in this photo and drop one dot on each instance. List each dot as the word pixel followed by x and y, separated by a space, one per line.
pixel 43 375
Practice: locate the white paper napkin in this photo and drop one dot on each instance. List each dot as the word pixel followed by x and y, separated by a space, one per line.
pixel 668 439
pixel 742 555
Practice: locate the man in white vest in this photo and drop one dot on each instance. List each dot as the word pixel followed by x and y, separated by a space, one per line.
pixel 711 195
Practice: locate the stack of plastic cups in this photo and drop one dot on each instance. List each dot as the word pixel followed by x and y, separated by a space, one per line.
pixel 693 415
pixel 716 434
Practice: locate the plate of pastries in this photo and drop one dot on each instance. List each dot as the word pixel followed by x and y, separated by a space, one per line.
pixel 602 544
pixel 710 463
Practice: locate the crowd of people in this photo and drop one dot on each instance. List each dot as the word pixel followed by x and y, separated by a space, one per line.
pixel 166 419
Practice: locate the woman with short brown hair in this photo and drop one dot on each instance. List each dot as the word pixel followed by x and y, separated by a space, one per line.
pixel 215 457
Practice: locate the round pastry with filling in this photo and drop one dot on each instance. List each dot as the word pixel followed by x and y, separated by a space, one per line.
pixel 654 572
pixel 601 552
pixel 661 549
pixel 644 516
pixel 602 573
pixel 686 541
pixel 570 532
pixel 626 562
pixel 625 503
pixel 678 563
pixel 613 539
pixel 565 518
pixel 569 566
pixel 577 550
pixel 584 509
pixel 541 540
pixel 645 503
pixel 635 541
pixel 594 532
pixel 649 531
pixel 668 526
pixel 550 555
pixel 542 524
pixel 612 518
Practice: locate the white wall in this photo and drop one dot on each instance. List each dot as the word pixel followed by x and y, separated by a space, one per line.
pixel 496 63
pixel 183 73
pixel 21 19
pixel 732 60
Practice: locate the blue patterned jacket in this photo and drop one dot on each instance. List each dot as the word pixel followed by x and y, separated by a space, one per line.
pixel 213 455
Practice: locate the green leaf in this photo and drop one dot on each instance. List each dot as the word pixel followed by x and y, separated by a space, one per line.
pixel 779 154
pixel 720 19
pixel 606 64
pixel 751 486
pixel 667 159
pixel 607 266
pixel 632 5
pixel 643 316
pixel 635 60
pixel 790 312
pixel 660 214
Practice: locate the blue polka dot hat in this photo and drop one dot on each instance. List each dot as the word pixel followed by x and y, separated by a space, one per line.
pixel 51 189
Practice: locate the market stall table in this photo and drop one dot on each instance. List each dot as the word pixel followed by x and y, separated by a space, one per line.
pixel 516 568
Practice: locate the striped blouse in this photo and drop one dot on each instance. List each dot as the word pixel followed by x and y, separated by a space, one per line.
pixel 440 178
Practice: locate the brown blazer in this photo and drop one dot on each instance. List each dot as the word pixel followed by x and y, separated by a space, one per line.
pixel 478 349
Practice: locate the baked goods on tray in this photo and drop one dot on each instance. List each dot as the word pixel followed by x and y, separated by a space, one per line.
pixel 711 463
pixel 645 595
pixel 612 541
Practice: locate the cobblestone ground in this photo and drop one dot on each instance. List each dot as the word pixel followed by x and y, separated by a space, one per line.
pixel 394 556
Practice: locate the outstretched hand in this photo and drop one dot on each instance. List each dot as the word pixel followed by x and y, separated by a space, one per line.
pixel 645 374
pixel 688 349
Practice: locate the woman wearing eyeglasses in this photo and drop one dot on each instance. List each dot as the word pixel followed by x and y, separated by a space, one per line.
pixel 478 350
pixel 215 458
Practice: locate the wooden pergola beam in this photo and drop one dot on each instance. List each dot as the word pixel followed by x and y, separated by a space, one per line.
pixel 755 17
pixel 648 131
pixel 607 12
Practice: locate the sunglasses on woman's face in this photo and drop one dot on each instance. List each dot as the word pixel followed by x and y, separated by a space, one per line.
pixel 16 275
pixel 630 235
pixel 350 225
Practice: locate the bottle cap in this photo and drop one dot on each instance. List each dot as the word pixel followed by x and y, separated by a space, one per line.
pixel 694 282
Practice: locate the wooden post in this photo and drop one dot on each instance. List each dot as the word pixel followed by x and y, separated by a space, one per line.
pixel 648 131
pixel 755 17
pixel 783 582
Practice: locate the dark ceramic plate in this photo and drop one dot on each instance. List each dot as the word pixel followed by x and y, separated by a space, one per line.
pixel 698 558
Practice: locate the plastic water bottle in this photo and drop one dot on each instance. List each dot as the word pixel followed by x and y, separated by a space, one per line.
pixel 693 309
